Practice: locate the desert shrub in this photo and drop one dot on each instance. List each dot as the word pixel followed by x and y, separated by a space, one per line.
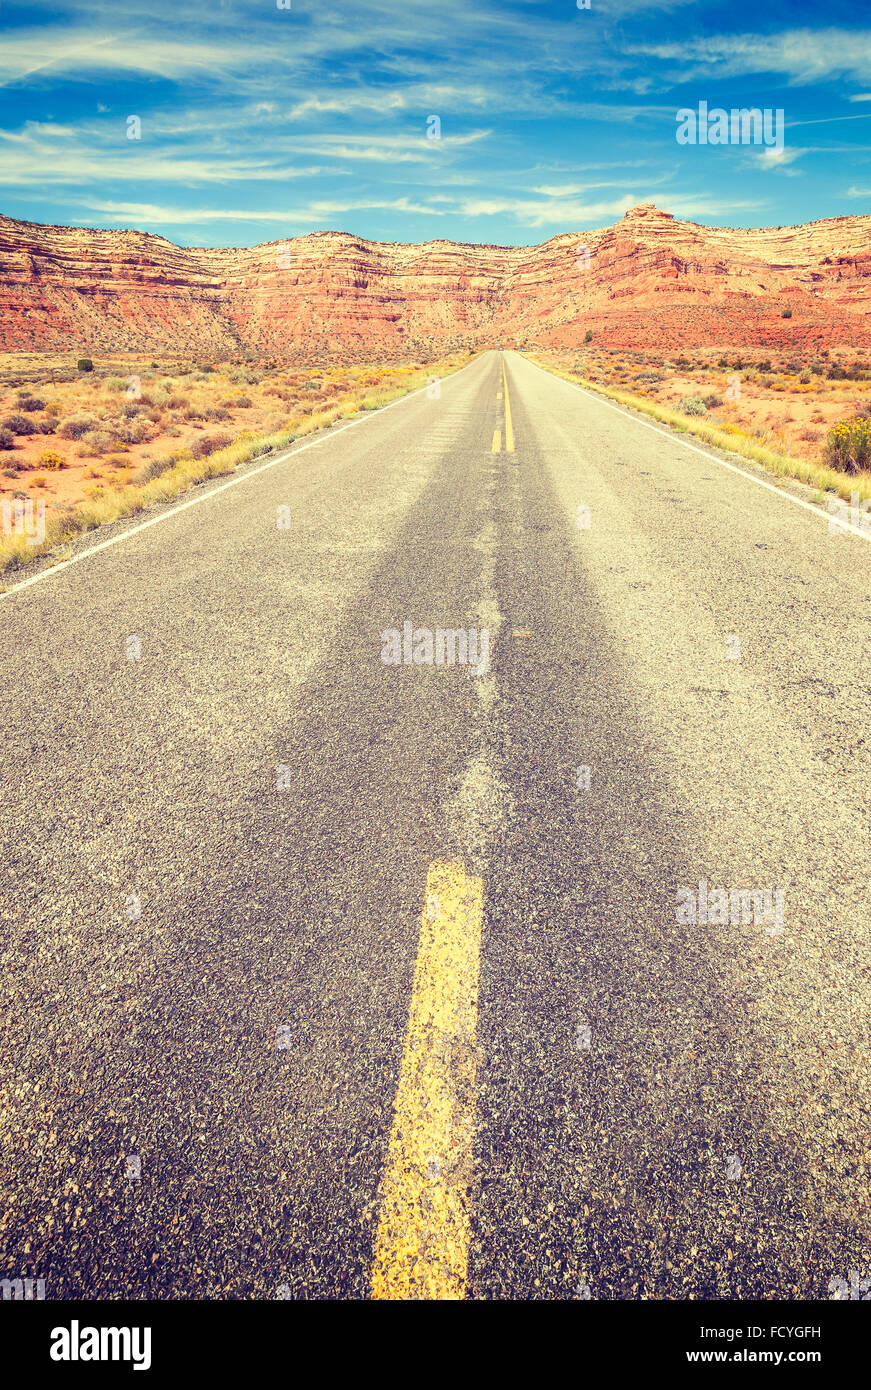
pixel 848 445
pixel 76 426
pixel 588 336
pixel 241 402
pixel 26 402
pixel 53 408
pixel 713 401
pixel 692 405
pixel 7 438
pixel 651 376
pixel 116 461
pixel 153 469
pixel 135 431
pixel 38 480
pixel 85 364
pixel 51 458
pixel 98 442
pixel 215 412
pixel 43 427
pixel 9 472
pixel 209 444
pixel 786 313
pixel 20 424
pixel 191 413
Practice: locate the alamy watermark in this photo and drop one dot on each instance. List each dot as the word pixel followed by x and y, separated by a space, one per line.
pixel 858 1288
pixel 22 1290
pixel 719 907
pixel 744 126
pixel 76 1343
pixel 445 646
pixel 844 516
pixel 17 518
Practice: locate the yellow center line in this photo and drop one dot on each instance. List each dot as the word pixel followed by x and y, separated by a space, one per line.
pixel 422 1246
pixel 497 442
pixel 509 428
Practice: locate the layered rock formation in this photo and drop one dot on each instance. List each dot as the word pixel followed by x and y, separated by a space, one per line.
pixel 650 280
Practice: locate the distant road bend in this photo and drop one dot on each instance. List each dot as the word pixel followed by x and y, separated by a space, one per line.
pixel 438 866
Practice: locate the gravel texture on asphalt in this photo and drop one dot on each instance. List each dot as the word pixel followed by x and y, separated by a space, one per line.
pixel 213 857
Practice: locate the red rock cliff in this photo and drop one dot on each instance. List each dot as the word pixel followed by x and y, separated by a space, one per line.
pixel 648 280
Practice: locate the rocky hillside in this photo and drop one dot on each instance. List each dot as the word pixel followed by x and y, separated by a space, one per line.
pixel 649 280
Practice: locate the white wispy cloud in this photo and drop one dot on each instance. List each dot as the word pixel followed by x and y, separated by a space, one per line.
pixel 315 212
pixel 772 158
pixel 798 55
pixel 83 53
pixel 45 154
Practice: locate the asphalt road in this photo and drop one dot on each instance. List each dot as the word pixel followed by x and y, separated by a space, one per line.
pixel 326 976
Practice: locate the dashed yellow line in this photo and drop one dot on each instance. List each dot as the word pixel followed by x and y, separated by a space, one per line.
pixel 509 428
pixel 497 442
pixel 422 1246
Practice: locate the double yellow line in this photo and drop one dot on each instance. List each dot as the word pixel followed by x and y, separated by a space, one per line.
pixel 509 428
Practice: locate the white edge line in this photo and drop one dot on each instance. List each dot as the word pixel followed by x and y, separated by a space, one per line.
pixel 733 468
pixel 173 511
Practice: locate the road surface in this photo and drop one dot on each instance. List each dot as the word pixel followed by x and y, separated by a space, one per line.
pixel 333 971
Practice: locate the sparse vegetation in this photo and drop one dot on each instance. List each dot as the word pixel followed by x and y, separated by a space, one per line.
pixel 92 412
pixel 50 458
pixel 747 426
pixel 692 405
pixel 848 445
pixel 20 424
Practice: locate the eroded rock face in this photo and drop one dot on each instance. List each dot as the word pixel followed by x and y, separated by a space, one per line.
pixel 650 280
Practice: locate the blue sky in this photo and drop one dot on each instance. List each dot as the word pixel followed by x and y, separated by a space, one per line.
pixel 259 123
